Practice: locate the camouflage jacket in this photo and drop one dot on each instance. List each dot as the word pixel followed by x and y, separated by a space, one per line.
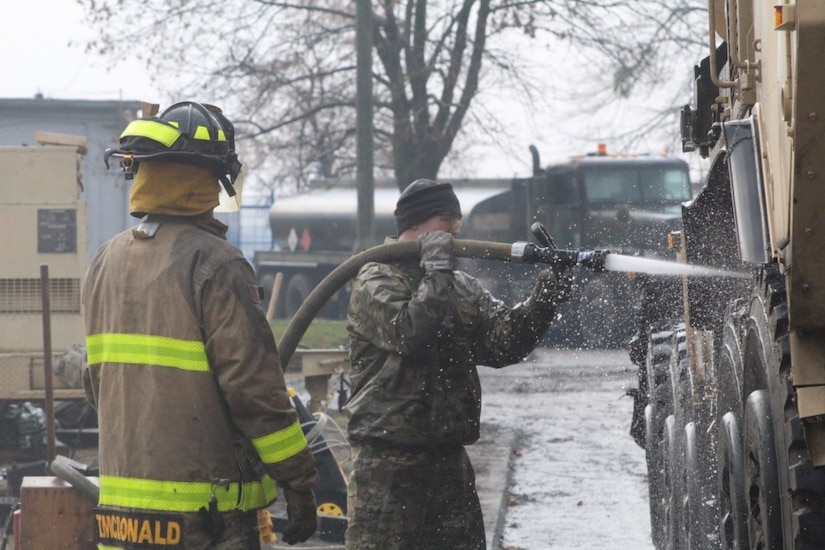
pixel 416 339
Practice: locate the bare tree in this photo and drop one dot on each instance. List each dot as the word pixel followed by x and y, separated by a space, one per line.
pixel 285 71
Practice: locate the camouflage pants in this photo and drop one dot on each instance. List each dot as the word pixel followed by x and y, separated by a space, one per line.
pixel 422 499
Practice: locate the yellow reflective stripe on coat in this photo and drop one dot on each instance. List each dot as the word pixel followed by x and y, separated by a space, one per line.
pixel 142 349
pixel 281 445
pixel 157 131
pixel 184 496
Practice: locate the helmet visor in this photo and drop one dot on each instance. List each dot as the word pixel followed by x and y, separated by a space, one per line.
pixel 232 204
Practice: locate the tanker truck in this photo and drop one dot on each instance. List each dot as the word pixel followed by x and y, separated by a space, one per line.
pixel 315 231
pixel 731 398
pixel 599 200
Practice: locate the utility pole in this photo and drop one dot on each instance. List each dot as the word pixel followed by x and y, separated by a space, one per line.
pixel 365 222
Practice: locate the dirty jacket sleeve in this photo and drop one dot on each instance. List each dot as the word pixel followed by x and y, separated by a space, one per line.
pixel 244 360
pixel 405 311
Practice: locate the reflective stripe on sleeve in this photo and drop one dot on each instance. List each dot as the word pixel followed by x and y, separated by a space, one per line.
pixel 281 445
pixel 142 349
pixel 183 496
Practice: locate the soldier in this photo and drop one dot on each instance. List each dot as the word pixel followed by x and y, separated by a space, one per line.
pixel 196 426
pixel 417 332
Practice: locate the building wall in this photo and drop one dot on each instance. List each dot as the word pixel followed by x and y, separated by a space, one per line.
pixel 101 122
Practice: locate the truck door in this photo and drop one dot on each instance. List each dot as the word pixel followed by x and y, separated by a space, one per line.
pixel 556 202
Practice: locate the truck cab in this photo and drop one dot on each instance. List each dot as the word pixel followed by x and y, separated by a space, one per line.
pixel 626 204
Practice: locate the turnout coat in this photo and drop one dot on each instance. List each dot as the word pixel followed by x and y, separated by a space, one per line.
pixel 185 376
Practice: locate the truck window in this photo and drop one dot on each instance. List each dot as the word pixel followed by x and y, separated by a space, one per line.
pixel 664 184
pixel 558 207
pixel 636 184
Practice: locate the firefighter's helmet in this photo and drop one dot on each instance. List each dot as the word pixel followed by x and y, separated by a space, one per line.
pixel 186 132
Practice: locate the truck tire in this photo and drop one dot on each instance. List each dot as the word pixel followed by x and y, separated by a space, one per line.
pixel 297 290
pixel 674 477
pixel 730 490
pixel 701 511
pixel 679 377
pixel 657 365
pixel 692 494
pixel 766 350
pixel 654 426
pixel 761 475
pixel 681 415
pixel 730 390
pixel 733 511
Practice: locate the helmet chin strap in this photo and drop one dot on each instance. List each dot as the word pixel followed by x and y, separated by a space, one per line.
pixel 230 201
pixel 227 186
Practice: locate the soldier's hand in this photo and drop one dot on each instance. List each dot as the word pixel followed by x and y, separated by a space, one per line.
pixel 437 251
pixel 302 515
pixel 552 288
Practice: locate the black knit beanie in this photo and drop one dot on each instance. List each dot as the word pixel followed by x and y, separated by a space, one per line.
pixel 422 200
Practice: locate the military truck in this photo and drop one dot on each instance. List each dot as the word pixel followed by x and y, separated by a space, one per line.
pixel 731 401
pixel 625 203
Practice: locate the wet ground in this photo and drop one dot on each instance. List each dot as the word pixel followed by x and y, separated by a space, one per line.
pixel 577 478
pixel 556 467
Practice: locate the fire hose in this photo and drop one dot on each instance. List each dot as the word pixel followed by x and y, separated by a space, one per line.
pixel 518 252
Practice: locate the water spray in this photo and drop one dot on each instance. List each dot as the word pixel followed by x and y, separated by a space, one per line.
pixel 604 260
pixel 519 252
pixel 651 266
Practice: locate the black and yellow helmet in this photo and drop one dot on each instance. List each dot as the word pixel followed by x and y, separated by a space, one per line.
pixel 186 132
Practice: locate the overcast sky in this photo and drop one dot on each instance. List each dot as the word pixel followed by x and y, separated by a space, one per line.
pixel 43 52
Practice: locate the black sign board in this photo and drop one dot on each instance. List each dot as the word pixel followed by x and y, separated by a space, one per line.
pixel 56 231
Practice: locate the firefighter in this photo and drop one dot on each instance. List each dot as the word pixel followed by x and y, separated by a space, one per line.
pixel 417 332
pixel 196 426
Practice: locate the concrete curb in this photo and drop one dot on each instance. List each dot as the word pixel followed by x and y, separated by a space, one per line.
pixel 490 457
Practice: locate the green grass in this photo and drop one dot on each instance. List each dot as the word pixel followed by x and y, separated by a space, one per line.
pixel 321 333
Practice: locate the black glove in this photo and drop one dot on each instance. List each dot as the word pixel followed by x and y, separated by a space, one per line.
pixel 302 515
pixel 437 252
pixel 552 289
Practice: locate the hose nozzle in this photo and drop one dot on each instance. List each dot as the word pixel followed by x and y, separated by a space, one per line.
pixel 593 259
pixel 559 260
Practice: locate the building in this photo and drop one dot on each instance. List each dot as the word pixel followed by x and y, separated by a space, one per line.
pixel 101 122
